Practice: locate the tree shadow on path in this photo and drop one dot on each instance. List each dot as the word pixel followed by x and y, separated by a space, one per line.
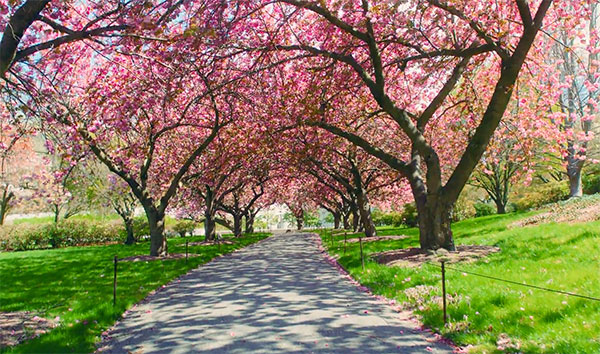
pixel 279 295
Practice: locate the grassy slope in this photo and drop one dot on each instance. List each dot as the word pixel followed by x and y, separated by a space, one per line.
pixel 558 256
pixel 76 285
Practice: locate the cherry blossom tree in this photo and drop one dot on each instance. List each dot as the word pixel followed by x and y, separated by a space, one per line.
pixel 241 202
pixel 408 58
pixel 18 160
pixel 116 194
pixel 148 123
pixel 573 54
pixel 31 28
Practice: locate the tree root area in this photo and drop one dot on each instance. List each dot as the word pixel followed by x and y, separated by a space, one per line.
pixel 211 243
pixel 146 258
pixel 415 257
pixel 16 327
pixel 378 238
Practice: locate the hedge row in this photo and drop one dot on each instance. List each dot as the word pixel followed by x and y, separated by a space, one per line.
pixel 63 234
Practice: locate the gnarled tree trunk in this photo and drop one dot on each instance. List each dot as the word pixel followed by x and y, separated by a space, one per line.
pixel 355 220
pixel 158 241
pixel 249 220
pixel 574 168
pixel 500 207
pixel 346 220
pixel 435 216
pixel 237 225
pixel 337 217
pixel 210 226
pixel 365 215
pixel 130 240
pixel 5 204
pixel 300 222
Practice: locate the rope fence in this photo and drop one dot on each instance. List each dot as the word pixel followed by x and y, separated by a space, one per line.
pixel 444 267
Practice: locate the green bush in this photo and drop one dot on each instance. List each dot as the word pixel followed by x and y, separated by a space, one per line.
pixel 463 209
pixel 537 195
pixel 140 227
pixel 183 227
pixel 392 218
pixel 591 183
pixel 66 233
pixel 484 209
pixel 409 215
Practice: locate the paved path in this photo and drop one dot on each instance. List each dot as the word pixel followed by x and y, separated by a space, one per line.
pixel 279 295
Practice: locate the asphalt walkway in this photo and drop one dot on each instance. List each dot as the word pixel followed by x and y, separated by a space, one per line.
pixel 279 295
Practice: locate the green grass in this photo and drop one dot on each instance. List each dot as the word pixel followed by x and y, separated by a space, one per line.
pixel 50 219
pixel 76 285
pixel 558 256
pixel 99 217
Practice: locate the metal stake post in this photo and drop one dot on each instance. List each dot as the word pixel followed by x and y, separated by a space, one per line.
pixel 115 282
pixel 444 290
pixel 362 257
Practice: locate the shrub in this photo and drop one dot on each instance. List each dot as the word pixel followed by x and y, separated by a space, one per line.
pixel 464 208
pixel 23 237
pixel 591 183
pixel 537 195
pixel 409 215
pixel 183 227
pixel 392 218
pixel 141 227
pixel 484 209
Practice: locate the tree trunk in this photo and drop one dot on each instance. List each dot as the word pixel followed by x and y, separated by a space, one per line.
pixel 5 204
pixel 129 229
pixel 435 225
pixel 500 206
pixel 574 173
pixel 158 241
pixel 2 213
pixel 336 220
pixel 56 214
pixel 365 215
pixel 209 215
pixel 300 222
pixel 249 223
pixel 210 226
pixel 355 220
pixel 237 225
pixel 346 220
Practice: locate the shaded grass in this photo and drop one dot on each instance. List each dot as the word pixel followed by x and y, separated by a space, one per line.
pixel 76 285
pixel 558 256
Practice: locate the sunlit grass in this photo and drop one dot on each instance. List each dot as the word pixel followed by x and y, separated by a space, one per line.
pixel 76 285
pixel 558 256
pixel 36 220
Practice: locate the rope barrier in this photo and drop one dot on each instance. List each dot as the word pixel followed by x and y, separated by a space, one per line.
pixel 522 284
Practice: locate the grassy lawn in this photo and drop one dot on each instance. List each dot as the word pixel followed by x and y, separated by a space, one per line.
pixel 558 256
pixel 76 285
pixel 50 219
pixel 98 217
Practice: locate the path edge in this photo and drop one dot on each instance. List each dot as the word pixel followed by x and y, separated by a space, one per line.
pixel 106 334
pixel 411 317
